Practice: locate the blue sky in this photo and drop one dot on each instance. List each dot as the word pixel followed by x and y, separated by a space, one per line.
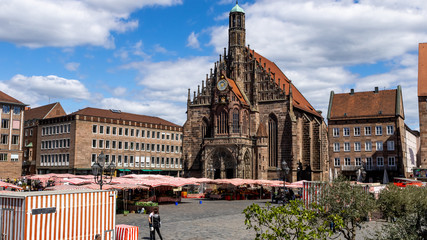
pixel 141 56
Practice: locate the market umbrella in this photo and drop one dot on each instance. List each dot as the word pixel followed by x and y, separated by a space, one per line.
pixel 9 185
pixel 385 178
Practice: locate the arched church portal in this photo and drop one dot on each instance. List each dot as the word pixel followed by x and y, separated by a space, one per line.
pixel 224 164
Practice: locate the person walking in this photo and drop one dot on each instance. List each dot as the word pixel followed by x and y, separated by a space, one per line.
pixel 150 224
pixel 155 221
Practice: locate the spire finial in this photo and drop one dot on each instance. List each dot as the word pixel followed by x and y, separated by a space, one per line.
pixel 237 2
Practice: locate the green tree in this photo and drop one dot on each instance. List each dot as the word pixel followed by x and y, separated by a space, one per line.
pixel 351 202
pixel 292 221
pixel 406 210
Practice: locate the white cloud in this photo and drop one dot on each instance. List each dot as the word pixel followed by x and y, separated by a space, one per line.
pixel 314 41
pixel 66 23
pixel 35 89
pixel 72 66
pixel 192 41
pixel 119 91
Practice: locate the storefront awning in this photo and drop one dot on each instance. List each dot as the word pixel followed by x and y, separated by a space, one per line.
pixel 124 170
pixel 151 170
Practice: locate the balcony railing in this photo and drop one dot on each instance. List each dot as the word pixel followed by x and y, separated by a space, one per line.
pixel 349 168
pixel 380 168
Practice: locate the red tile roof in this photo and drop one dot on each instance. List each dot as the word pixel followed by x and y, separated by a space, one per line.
pixel 422 69
pixel 8 99
pixel 363 105
pixel 38 112
pixel 299 101
pixel 236 90
pixel 113 114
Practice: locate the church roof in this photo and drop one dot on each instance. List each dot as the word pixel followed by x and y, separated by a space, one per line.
pixel 237 8
pixel 299 101
pixel 235 89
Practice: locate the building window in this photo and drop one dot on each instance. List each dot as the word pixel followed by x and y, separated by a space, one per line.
pixel 391 161
pixel 142 133
pixel 168 136
pixel 368 146
pixel 137 133
pixel 379 146
pixel 357 146
pixel 148 147
pixel 16 110
pixel 107 144
pixel 163 148
pixel 378 130
pixel 235 121
pixel 272 141
pixel 94 128
pixel 347 162
pixel 126 132
pixel 148 133
pixel 390 130
pixel 346 147
pixel 120 131
pixel 337 161
pixel 158 147
pixel 114 144
pixel 357 131
pixel 153 134
pixel 93 143
pixel 158 135
pixel 336 147
pixel 222 123
pixel 107 130
pixel 358 161
pixel 114 132
pixel 163 135
pixel 137 146
pixel 4 138
pixel 380 161
pixel 5 123
pixel 101 129
pixel 132 132
pixel 367 131
pixel 120 145
pixel 6 108
pixel 142 146
pixel 346 132
pixel 15 139
pixel 153 147
pixel 126 145
pixel 131 146
pixel 369 163
pixel 390 145
pixel 14 157
pixel 171 148
pixel 3 157
pixel 336 132
pixel 93 160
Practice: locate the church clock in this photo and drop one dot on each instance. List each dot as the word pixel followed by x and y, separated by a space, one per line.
pixel 222 84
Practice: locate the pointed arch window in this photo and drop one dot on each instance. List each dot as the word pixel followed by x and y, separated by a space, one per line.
pixel 205 128
pixel 272 141
pixel 222 123
pixel 236 127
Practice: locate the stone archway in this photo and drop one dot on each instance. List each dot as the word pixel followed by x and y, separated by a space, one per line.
pixel 224 164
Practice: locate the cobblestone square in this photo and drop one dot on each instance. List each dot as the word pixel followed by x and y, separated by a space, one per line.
pixel 209 220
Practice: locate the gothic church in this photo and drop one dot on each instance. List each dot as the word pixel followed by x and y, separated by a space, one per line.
pixel 248 117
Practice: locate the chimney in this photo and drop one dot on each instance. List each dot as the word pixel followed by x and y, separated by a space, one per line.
pixel 376 90
pixel 352 91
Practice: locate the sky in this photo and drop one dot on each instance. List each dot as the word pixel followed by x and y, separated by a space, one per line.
pixel 141 56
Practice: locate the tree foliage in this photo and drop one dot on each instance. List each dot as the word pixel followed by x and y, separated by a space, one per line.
pixel 292 221
pixel 406 209
pixel 351 202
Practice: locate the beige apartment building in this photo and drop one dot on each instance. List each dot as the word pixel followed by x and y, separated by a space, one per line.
pixel 11 132
pixel 367 129
pixel 135 143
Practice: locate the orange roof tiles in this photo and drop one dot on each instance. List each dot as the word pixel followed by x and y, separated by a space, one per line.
pixel 39 112
pixel 299 101
pixel 364 104
pixel 103 113
pixel 236 90
pixel 8 99
pixel 422 69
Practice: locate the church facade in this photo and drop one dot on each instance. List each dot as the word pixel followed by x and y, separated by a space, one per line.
pixel 247 118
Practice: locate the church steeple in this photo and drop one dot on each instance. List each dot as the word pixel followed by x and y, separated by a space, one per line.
pixel 236 30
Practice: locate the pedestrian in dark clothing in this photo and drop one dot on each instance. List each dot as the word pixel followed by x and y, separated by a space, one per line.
pixel 155 221
pixel 150 224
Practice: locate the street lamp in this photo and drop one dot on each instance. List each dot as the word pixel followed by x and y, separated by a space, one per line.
pixel 99 168
pixel 285 169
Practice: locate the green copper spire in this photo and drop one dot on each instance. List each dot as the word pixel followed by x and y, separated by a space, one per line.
pixel 237 8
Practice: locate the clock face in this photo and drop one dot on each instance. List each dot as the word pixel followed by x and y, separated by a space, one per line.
pixel 222 85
